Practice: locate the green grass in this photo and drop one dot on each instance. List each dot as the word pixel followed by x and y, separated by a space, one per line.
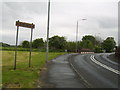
pixel 23 76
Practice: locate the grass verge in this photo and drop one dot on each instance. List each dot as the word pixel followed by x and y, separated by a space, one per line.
pixel 23 76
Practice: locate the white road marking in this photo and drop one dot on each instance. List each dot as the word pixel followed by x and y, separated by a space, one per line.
pixel 104 66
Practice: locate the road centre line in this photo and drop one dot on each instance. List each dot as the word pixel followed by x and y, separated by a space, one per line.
pixel 103 65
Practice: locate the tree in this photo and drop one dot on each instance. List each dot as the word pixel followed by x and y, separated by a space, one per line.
pixel 4 44
pixel 38 43
pixel 98 40
pixel 25 44
pixel 86 44
pixel 98 49
pixel 109 44
pixel 71 46
pixel 57 42
pixel 90 38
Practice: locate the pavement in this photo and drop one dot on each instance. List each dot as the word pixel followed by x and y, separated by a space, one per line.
pixel 59 74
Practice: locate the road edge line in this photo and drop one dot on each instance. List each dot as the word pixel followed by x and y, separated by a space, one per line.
pixel 83 79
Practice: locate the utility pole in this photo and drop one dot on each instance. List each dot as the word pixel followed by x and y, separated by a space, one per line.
pixel 48 26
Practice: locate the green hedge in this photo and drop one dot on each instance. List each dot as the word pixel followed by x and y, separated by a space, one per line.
pixel 19 49
pixel 28 49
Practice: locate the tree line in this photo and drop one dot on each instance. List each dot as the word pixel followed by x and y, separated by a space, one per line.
pixel 58 43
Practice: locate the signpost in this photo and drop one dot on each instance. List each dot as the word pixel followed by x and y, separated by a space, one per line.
pixel 23 24
pixel 27 25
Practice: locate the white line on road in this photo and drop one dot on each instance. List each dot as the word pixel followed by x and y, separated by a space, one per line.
pixel 86 83
pixel 104 66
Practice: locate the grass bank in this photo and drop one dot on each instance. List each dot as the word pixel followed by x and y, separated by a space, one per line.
pixel 23 76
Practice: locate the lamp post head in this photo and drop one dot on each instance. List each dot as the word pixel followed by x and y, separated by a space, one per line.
pixel 81 19
pixel 84 19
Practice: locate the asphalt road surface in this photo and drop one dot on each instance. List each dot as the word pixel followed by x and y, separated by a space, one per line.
pixel 96 70
pixel 81 71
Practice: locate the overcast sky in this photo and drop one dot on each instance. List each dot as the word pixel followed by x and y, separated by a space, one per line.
pixel 101 15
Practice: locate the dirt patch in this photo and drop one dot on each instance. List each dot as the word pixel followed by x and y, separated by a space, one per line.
pixel 11 85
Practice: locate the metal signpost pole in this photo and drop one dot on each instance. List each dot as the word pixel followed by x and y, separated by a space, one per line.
pixel 27 25
pixel 30 47
pixel 47 46
pixel 16 47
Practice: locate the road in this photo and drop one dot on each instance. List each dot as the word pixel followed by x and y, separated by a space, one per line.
pixel 96 70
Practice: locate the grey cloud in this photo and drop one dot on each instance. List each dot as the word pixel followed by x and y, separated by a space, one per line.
pixel 28 7
pixel 63 18
pixel 24 11
pixel 108 22
pixel 21 10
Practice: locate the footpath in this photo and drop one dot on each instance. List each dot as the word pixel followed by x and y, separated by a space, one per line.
pixel 59 74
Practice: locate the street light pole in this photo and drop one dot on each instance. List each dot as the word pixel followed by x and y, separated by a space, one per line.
pixel 47 46
pixel 77 34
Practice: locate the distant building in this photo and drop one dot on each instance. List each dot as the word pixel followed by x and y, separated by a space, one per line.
pixel 86 51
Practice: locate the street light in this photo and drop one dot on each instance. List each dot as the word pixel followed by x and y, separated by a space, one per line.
pixel 48 26
pixel 77 33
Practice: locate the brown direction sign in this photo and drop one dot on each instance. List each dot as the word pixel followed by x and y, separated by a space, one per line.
pixel 24 24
